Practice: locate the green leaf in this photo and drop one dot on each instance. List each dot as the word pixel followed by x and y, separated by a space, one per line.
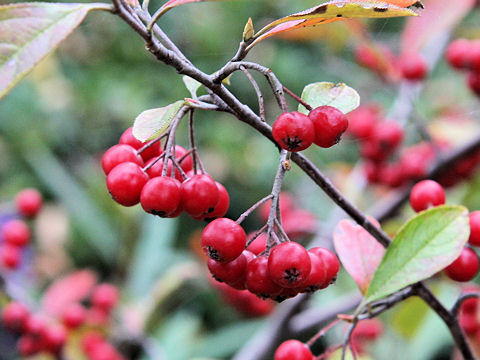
pixel 341 96
pixel 30 31
pixel 425 245
pixel 192 85
pixel 151 123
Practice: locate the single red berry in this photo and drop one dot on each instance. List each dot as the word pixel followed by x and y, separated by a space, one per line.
pixel 387 135
pixel 258 279
pixel 125 183
pixel 119 154
pixel 330 123
pixel 318 275
pixel 15 316
pixel 457 53
pixel 330 260
pixel 55 338
pixel 230 272
pixel 199 195
pixel 222 206
pixel 469 323
pixel 29 202
pixel 289 264
pixel 470 306
pixel 474 220
pixel 161 196
pixel 28 345
pixel 473 81
pixel 74 315
pixel 90 340
pixel 425 194
pixel 293 131
pixel 258 245
pixel 293 350
pixel 413 66
pixel 104 351
pixel 223 240
pixel 16 232
pixel 157 169
pixel 392 175
pixel 372 171
pixel 465 267
pixel 150 152
pixel 368 329
pixel 362 120
pixel 186 161
pixel 105 296
pixel 10 256
pixel 415 160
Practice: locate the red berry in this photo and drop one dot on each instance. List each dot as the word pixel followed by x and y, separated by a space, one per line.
pixel 187 162
pixel 223 240
pixel 468 322
pixel 258 279
pixel 425 194
pixel 28 202
pixel 150 152
pixel 55 338
pixel 465 267
pixel 258 245
pixel 74 315
pixel 388 135
pixel 230 272
pixel 119 154
pixel 15 316
pixel 28 345
pixel 474 220
pixel 474 82
pixel 157 169
pixel 289 264
pixel 318 274
pixel 10 256
pixel 293 350
pixel 457 53
pixel 293 131
pixel 161 196
pixel 368 329
pixel 330 123
pixel 413 66
pixel 362 120
pixel 199 195
pixel 330 260
pixel 222 206
pixel 16 232
pixel 104 351
pixel 392 175
pixel 105 296
pixel 125 183
pixel 90 340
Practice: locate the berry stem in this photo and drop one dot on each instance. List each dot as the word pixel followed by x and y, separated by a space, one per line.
pixel 150 143
pixel 192 141
pixel 252 208
pixel 322 332
pixel 257 234
pixel 346 341
pixel 171 139
pixel 328 352
pixel 146 168
pixel 298 99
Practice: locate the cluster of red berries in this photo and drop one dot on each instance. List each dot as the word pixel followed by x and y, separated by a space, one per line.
pixel 15 233
pixel 40 334
pixel 380 59
pixel 323 126
pixel 134 175
pixel 288 269
pixel 468 315
pixel 463 54
pixel 428 193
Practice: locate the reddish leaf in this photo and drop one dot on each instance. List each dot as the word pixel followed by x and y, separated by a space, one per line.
pixel 69 289
pixel 438 17
pixel 358 251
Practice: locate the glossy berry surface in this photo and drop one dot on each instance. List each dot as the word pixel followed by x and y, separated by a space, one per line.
pixel 15 316
pixel 330 123
pixel 289 264
pixel 465 267
pixel 161 196
pixel 222 206
pixel 150 152
pixel 29 202
pixel 317 276
pixel 293 131
pixel 16 232
pixel 199 195
pixel 330 261
pixel 105 296
pixel 125 183
pixel 413 66
pixel 258 279
pixel 293 350
pixel 425 194
pixel 474 221
pixel 223 240
pixel 119 154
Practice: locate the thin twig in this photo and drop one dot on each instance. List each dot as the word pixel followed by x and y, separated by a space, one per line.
pixel 322 332
pixel 300 100
pixel 252 208
pixel 261 105
pixel 346 340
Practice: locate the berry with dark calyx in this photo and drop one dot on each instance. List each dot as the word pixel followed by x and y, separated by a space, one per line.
pixel 289 264
pixel 125 183
pixel 293 131
pixel 318 274
pixel 55 338
pixel 10 256
pixel 425 194
pixel 15 316
pixel 413 66
pixel 105 296
pixel 293 350
pixel 161 196
pixel 150 152
pixel 330 260
pixel 465 267
pixel 199 195
pixel 222 206
pixel 473 81
pixel 474 220
pixel 457 53
pixel 285 294
pixel 258 280
pixel 74 316
pixel 119 154
pixel 29 202
pixel 223 240
pixel 15 232
pixel 330 123
pixel 231 272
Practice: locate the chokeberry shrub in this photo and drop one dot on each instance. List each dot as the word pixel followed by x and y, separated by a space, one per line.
pixel 261 180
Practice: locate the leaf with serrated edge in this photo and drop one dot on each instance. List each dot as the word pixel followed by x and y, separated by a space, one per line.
pixel 359 252
pixel 340 96
pixel 192 85
pixel 425 245
pixel 31 31
pixel 151 123
pixel 335 11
